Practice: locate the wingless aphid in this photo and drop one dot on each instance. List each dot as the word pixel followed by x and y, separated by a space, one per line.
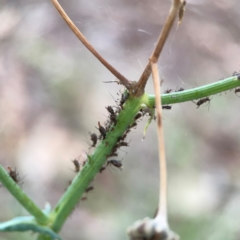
pixel 88 189
pixel 110 110
pixel 102 130
pixel 167 107
pixel 76 165
pixel 13 174
pixel 124 97
pixel 122 144
pixel 167 91
pixel 237 90
pixel 137 116
pixel 203 100
pixel 93 139
pixel 115 163
pixel 180 89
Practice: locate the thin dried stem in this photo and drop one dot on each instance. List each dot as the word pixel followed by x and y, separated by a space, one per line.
pixel 140 86
pixel 162 209
pixel 124 81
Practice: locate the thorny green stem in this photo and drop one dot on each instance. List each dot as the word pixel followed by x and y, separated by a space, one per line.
pixel 95 161
pixel 196 93
pixel 18 193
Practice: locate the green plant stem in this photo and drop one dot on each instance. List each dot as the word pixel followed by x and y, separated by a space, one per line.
pixel 95 161
pixel 18 193
pixel 196 93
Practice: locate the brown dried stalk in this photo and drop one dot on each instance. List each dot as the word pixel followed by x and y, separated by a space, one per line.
pixel 140 86
pixel 124 81
pixel 177 8
pixel 162 207
pixel 157 228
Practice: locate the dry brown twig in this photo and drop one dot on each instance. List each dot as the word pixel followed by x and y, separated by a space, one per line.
pixel 174 11
pixel 157 228
pixel 162 209
pixel 85 42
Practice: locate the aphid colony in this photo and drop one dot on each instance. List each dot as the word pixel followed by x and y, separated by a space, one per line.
pixel 109 126
pixel 167 91
pixel 202 100
pixel 111 123
pixel 103 130
pixel 198 103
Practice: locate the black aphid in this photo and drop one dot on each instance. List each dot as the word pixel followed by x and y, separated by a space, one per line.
pixel 113 119
pixel 93 139
pixel 115 163
pixel 203 100
pixel 168 90
pixel 180 89
pixel 237 90
pixel 13 174
pixel 124 98
pixel 124 136
pixel 102 131
pixel 137 116
pixel 167 107
pixel 102 169
pixel 133 125
pixel 110 110
pixel 88 189
pixel 76 165
pixel 114 154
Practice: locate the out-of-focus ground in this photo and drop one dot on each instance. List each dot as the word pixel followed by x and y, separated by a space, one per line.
pixel 52 94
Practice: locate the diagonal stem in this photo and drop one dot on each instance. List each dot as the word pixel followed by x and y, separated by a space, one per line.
pixel 22 198
pixel 124 81
pixel 140 86
pixel 94 163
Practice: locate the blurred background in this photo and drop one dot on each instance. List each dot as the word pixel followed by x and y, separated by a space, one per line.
pixel 52 95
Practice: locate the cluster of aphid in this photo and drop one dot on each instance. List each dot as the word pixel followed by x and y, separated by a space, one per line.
pixel 112 120
pixel 169 90
pixel 103 130
pixel 109 126
pixel 207 99
pixel 111 123
pixel 198 103
pixel 77 169
pixel 120 143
